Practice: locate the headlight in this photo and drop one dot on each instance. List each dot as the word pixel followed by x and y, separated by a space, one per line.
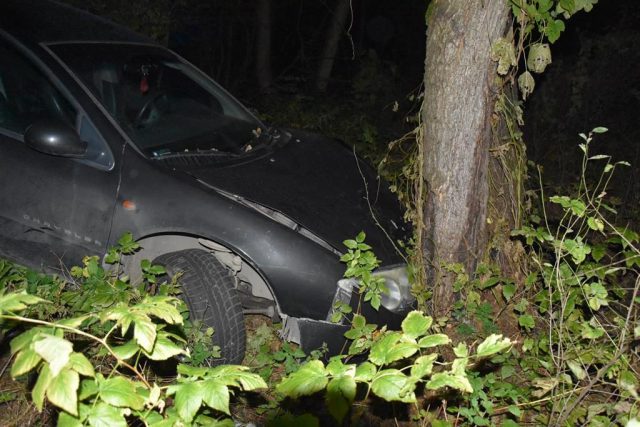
pixel 397 300
pixel 399 297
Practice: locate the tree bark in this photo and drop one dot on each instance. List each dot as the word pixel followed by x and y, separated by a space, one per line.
pixel 334 32
pixel 263 45
pixel 457 128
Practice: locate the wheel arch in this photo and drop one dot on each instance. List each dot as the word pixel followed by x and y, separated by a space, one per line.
pixel 241 266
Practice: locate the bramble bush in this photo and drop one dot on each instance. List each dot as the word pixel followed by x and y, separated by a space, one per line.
pixel 90 350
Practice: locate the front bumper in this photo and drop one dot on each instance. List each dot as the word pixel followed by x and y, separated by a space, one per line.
pixel 313 334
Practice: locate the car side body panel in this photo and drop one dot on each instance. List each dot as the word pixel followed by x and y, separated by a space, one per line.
pixel 302 273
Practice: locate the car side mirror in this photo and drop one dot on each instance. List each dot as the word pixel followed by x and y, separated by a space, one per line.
pixel 55 137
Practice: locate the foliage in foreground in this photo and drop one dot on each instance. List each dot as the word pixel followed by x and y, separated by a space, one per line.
pixel 92 346
pixel 91 349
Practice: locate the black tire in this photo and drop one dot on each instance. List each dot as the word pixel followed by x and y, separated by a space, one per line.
pixel 209 291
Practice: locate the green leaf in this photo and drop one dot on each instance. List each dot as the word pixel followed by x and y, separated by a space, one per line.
pixel 62 391
pixel 103 415
pixel 508 290
pixel 216 395
pixel 24 362
pixel 628 382
pixel 491 281
pixel 445 379
pixel 526 321
pixel 390 348
pixel 553 30
pixel 392 384
pixel 309 379
pixel 514 410
pixel 359 321
pixel 39 389
pixel 154 395
pixel 195 371
pixel 145 334
pixel 577 369
pixel 568 5
pixel 587 332
pixel 79 363
pixel 121 392
pixel 164 348
pixel 341 391
pixel 351 244
pixel 600 129
pixel 88 388
pixel 163 307
pixel 459 366
pixel 188 399
pixel 423 366
pixel 577 207
pixel 127 350
pixel 336 368
pixel 14 302
pixel 55 351
pixel 365 372
pixel 24 339
pixel 461 350
pixel 597 295
pixel 416 324
pixel 561 200
pixel 67 420
pixel 237 376
pixel 598 252
pixel 433 340
pixel 493 344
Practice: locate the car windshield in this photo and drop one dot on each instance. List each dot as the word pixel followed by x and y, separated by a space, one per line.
pixel 164 104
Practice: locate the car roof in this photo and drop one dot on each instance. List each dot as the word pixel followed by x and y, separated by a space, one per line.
pixel 47 21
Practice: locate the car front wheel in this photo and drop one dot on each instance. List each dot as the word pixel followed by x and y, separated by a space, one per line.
pixel 209 292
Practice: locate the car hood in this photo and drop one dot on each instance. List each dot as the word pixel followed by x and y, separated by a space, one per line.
pixel 318 183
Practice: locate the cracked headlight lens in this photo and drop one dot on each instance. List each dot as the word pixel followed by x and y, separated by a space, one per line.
pixel 397 300
pixel 399 297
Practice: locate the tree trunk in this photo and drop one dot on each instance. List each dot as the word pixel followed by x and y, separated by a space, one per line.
pixel 263 46
pixel 334 32
pixel 457 119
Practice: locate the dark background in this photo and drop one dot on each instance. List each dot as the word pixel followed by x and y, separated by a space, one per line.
pixel 594 79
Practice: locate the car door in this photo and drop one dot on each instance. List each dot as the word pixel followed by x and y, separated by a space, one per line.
pixel 53 210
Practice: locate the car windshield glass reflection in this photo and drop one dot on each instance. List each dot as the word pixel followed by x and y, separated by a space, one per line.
pixel 164 104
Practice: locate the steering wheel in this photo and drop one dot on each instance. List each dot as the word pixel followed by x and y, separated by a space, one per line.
pixel 144 113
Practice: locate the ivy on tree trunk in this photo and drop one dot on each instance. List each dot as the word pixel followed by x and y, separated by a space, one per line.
pixel 459 100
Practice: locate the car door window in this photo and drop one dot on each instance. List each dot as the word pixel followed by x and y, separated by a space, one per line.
pixel 27 95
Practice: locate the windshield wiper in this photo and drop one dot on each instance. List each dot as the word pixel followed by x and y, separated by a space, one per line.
pixel 164 154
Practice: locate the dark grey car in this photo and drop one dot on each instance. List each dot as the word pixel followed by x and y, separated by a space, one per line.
pixel 104 132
